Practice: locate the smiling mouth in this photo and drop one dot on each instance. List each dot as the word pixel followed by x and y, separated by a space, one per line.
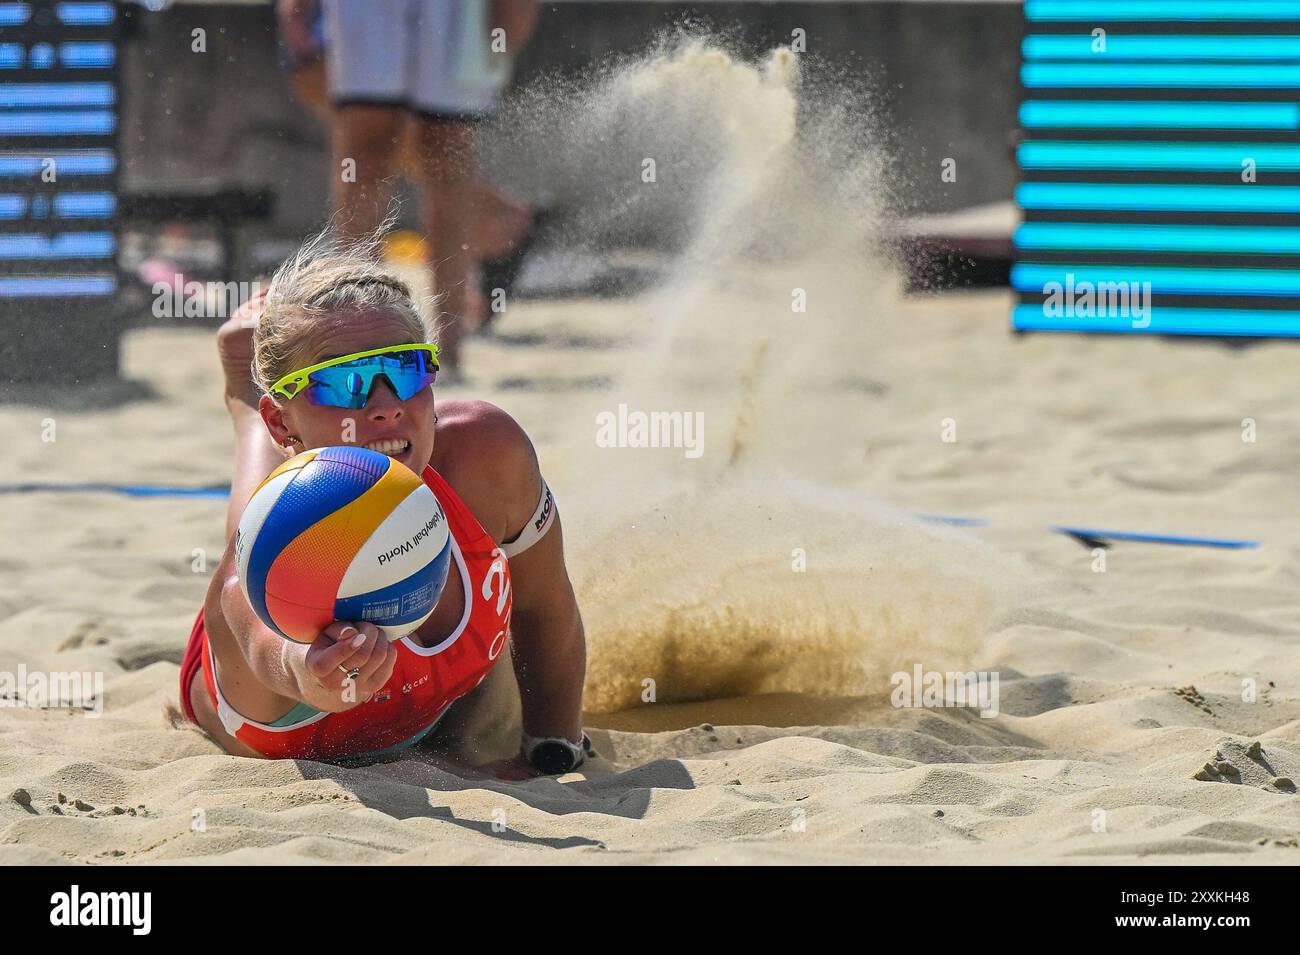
pixel 391 447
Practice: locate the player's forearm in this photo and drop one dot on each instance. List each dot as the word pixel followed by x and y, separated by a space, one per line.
pixel 550 660
pixel 278 664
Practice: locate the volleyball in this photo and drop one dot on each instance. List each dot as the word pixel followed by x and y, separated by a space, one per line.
pixel 342 533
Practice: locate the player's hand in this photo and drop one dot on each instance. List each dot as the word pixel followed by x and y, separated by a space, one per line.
pixel 250 311
pixel 345 648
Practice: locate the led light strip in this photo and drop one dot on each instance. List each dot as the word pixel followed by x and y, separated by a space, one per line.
pixel 1158 114
pixel 1196 157
pixel 1099 11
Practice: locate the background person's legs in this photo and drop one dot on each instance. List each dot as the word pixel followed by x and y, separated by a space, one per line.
pixel 445 149
pixel 369 136
pixel 366 62
pixel 499 220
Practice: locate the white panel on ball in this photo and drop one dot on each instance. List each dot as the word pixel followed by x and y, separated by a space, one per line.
pixel 385 559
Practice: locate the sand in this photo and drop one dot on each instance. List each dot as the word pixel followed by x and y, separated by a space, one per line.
pixel 1092 758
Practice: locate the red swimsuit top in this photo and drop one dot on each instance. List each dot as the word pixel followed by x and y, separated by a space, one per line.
pixel 425 680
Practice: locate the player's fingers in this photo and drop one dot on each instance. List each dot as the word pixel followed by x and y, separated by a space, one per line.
pixel 378 654
pixel 367 651
pixel 337 644
pixel 382 672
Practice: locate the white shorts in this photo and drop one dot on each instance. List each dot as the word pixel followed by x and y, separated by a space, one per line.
pixel 431 56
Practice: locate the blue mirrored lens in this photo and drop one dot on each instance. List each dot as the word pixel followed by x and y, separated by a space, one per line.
pixel 349 385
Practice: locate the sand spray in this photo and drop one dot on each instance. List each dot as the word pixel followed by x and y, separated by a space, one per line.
pixel 752 567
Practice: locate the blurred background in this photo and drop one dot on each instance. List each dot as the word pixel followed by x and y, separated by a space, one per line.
pixel 153 143
pixel 205 154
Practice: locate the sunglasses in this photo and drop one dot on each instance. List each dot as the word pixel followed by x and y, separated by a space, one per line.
pixel 346 381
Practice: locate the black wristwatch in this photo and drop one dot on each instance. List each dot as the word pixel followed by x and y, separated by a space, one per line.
pixel 555 755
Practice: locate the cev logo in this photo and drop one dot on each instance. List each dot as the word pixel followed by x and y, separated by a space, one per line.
pixel 408 687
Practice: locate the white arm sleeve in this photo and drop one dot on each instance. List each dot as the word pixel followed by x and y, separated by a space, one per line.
pixel 537 526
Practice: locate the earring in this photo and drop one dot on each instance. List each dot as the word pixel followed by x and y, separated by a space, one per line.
pixel 289 440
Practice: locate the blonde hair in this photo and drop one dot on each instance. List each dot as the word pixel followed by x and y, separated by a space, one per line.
pixel 329 274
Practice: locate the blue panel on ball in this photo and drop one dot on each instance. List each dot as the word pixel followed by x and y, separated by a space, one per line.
pixel 332 480
pixel 369 462
pixel 403 602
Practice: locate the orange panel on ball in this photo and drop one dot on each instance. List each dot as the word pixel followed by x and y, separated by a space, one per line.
pixel 297 622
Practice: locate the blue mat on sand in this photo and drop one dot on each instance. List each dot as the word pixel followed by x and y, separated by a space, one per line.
pixel 1091 537
pixel 132 490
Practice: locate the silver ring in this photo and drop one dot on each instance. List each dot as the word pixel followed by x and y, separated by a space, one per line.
pixel 350 674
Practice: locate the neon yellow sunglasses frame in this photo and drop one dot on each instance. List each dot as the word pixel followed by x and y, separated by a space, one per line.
pixel 293 383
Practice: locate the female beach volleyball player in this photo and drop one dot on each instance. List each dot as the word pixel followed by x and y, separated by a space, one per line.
pixel 258 694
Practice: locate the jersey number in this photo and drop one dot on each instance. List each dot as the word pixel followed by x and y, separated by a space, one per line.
pixel 497 570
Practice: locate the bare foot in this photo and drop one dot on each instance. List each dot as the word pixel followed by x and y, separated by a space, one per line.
pixel 235 346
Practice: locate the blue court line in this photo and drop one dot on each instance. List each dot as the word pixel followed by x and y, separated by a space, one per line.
pixel 1093 534
pixel 1103 535
pixel 1158 114
pixel 1156 75
pixel 1098 11
pixel 131 490
pixel 952 521
pixel 1199 157
pixel 1082 46
pixel 150 490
